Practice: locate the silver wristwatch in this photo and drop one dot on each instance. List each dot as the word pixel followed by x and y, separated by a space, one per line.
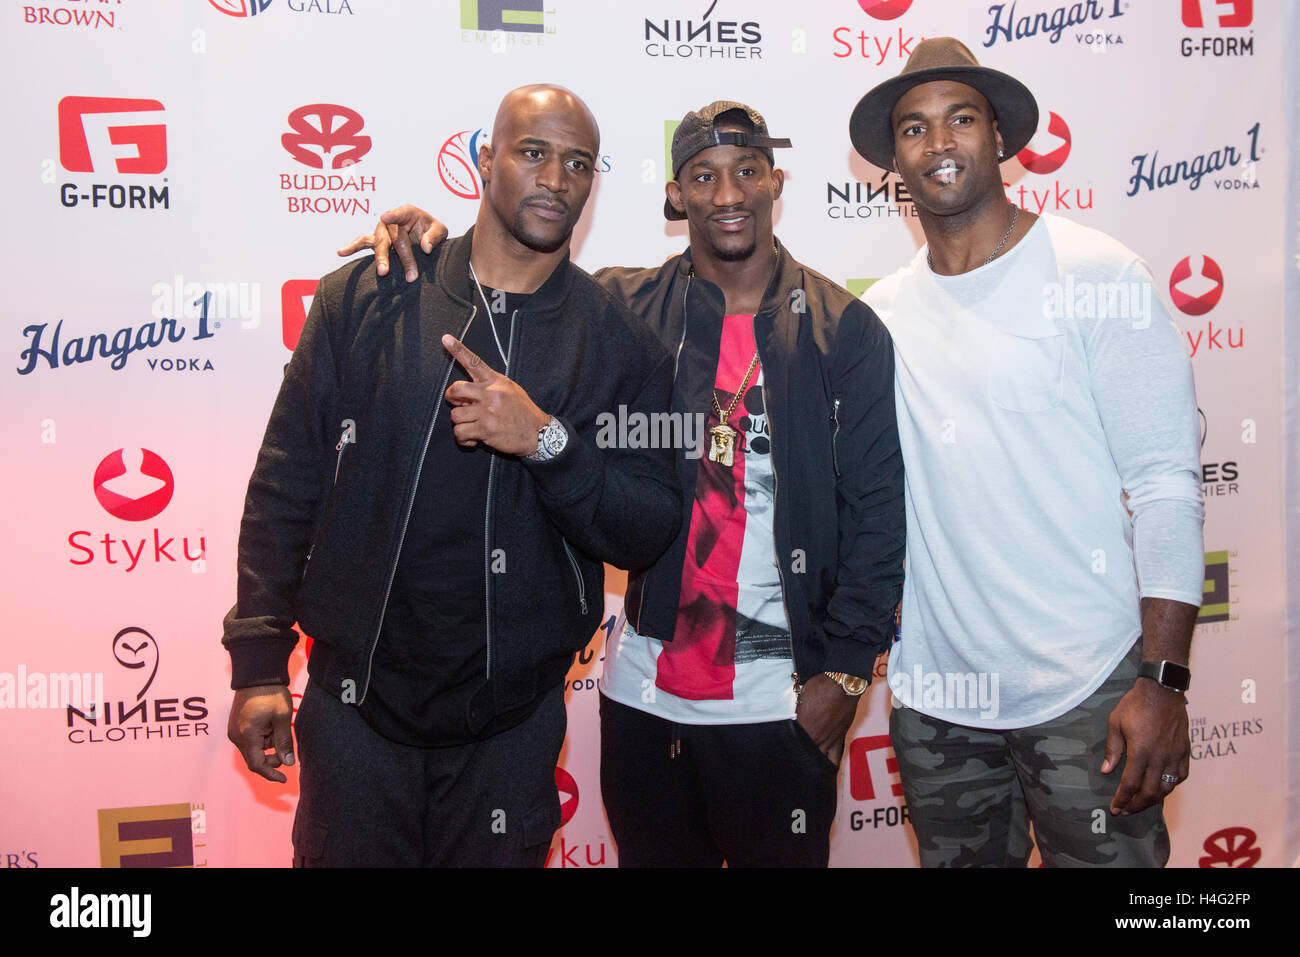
pixel 551 440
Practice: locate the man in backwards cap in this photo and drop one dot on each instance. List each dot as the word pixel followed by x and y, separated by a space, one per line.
pixel 1043 657
pixel 730 685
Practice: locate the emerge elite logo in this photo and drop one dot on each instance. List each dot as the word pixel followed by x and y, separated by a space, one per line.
pixel 1217 600
pixel 515 16
pixel 158 835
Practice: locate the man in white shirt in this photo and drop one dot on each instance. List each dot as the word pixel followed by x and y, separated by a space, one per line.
pixel 1054 554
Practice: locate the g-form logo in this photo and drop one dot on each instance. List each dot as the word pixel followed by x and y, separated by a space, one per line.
pixel 568 789
pixel 1230 847
pixel 884 9
pixel 133 488
pixel 514 16
pixel 1049 162
pixel 861 787
pixel 240 8
pixel 320 128
pixel 108 121
pixel 458 164
pixel 1196 291
pixel 1231 13
pixel 295 300
pixel 160 835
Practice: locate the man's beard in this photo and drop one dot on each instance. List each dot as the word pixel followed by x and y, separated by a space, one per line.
pixel 540 243
pixel 735 255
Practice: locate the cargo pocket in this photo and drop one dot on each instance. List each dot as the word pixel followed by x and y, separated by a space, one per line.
pixel 1027 373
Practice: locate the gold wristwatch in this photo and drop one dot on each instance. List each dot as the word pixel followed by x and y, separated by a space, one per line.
pixel 850 684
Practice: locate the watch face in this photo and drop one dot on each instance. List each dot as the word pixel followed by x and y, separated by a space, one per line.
pixel 555 438
pixel 854 685
pixel 1176 676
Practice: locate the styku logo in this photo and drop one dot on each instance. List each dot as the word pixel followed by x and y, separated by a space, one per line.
pixel 135 485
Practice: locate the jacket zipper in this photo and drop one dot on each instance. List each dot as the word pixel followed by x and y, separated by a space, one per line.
pixel 780 561
pixel 349 435
pixel 577 573
pixel 835 436
pixel 487 523
pixel 645 579
pixel 406 519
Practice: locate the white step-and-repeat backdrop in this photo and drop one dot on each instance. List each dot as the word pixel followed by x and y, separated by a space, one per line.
pixel 179 173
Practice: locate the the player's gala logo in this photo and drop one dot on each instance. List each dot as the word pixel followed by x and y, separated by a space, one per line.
pixel 458 163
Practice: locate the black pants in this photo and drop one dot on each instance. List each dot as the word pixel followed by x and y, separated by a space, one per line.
pixel 754 795
pixel 366 801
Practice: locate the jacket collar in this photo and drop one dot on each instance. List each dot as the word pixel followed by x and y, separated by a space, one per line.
pixel 452 274
pixel 775 297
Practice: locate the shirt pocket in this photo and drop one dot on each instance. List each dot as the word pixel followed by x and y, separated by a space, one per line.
pixel 1026 372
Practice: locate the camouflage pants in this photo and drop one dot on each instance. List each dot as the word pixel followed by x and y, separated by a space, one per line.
pixel 972 793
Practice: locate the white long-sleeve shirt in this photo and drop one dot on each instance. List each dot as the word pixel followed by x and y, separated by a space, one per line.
pixel 1041 399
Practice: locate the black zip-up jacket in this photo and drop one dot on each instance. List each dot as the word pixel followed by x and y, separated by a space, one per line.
pixel 336 475
pixel 828 388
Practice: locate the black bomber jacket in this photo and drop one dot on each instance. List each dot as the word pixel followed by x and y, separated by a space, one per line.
pixel 332 489
pixel 828 371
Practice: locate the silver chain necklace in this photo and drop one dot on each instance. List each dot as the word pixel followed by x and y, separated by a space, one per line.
pixel 1015 214
pixel 488 306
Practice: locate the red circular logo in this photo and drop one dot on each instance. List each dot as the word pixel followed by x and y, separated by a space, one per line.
pixel 884 9
pixel 568 789
pixel 1230 847
pixel 1196 293
pixel 133 486
pixel 458 164
pixel 1053 160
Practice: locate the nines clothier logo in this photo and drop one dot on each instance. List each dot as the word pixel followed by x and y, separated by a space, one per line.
pixel 705 38
pixel 144 718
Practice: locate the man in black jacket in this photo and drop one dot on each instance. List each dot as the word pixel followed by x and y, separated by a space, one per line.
pixel 440 534
pixel 728 690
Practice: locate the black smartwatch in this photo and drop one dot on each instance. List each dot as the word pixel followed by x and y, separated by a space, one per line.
pixel 1166 674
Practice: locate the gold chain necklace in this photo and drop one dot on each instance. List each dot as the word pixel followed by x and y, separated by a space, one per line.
pixel 722 437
